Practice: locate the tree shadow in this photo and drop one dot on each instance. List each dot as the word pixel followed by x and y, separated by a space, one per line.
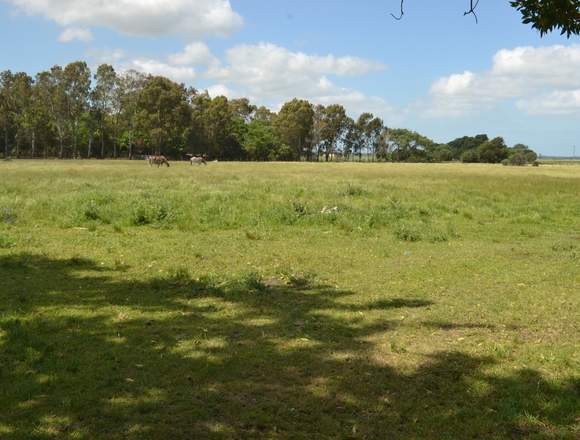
pixel 84 355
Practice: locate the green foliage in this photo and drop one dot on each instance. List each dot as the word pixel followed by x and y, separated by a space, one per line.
pixel 549 15
pixel 294 125
pixel 261 142
pixel 6 242
pixel 130 115
pixel 493 151
pixel 470 156
pixel 518 159
pixel 461 145
pixel 409 146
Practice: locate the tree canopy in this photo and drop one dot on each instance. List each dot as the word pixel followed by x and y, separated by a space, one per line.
pixel 68 112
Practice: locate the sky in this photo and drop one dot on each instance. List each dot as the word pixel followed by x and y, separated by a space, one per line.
pixel 435 71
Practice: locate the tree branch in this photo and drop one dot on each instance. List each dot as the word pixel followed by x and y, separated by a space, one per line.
pixel 473 6
pixel 402 12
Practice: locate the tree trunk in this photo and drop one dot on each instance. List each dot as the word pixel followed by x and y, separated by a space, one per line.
pixel 90 147
pixel 6 143
pixel 33 144
pixel 75 126
pixel 17 146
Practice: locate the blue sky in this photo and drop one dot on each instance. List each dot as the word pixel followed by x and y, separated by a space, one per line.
pixel 435 71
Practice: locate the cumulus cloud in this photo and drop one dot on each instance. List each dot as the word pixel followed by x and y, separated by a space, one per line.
pixel 555 103
pixel 271 74
pixel 265 73
pixel 196 53
pixel 220 90
pixel 266 60
pixel 543 80
pixel 154 67
pixel 138 17
pixel 106 55
pixel 71 34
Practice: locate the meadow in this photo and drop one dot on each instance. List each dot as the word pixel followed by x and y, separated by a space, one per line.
pixel 289 301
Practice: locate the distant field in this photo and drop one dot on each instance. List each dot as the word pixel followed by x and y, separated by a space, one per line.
pixel 289 301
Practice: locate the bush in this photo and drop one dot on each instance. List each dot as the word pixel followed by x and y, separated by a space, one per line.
pixel 470 156
pixel 7 215
pixel 408 232
pixel 518 159
pixel 144 213
pixel 6 242
pixel 352 190
pixel 531 156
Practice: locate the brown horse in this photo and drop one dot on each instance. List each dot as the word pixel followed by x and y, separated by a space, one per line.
pixel 157 160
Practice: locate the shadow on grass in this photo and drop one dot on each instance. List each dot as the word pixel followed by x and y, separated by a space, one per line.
pixel 83 355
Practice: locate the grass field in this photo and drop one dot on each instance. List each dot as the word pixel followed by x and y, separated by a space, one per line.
pixel 289 301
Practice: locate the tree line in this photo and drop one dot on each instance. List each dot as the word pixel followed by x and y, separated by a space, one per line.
pixel 67 112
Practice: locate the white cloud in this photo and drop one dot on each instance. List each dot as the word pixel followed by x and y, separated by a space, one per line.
pixel 220 90
pixel 140 17
pixel 194 54
pixel 268 60
pixel 270 75
pixel 544 80
pixel 70 34
pixel 106 55
pixel 266 74
pixel 154 67
pixel 555 103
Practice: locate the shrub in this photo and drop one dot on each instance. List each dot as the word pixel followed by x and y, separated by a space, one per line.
pixel 6 242
pixel 470 156
pixel 254 282
pixel 7 215
pixel 352 190
pixel 531 156
pixel 518 159
pixel 408 232
pixel 150 213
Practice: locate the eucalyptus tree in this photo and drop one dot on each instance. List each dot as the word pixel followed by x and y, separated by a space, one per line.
pixel 163 114
pixel 332 124
pixel 222 130
pixel 102 98
pixel 242 109
pixel 409 146
pixel 294 124
pixel 6 106
pixel 77 84
pixel 22 101
pixel 264 114
pixel 129 86
pixel 371 128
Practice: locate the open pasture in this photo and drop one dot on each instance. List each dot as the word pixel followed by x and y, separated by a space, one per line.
pixel 289 301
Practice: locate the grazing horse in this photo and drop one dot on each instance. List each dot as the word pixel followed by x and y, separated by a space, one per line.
pixel 201 159
pixel 157 160
pixel 198 160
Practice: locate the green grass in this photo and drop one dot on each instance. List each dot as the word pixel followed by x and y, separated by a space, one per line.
pixel 289 301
